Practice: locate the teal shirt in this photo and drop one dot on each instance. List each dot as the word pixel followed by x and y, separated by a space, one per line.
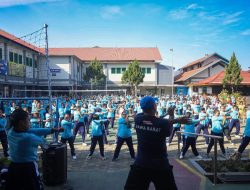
pixel 190 128
pixel 23 146
pixel 35 123
pixel 3 123
pixel 67 126
pixel 217 124
pixel 123 130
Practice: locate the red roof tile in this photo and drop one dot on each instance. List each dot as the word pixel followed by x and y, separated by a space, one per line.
pixel 217 79
pixel 19 41
pixel 109 54
pixel 184 76
pixel 203 59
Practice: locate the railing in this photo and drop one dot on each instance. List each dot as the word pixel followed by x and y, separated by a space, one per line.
pixel 215 149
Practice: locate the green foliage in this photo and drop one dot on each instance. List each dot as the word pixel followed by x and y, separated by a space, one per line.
pixel 133 75
pixel 94 72
pixel 232 76
pixel 226 165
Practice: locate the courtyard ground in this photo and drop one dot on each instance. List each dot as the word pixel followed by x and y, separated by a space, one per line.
pixel 96 174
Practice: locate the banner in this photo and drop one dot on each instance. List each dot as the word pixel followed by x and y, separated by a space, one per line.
pixel 16 69
pixel 3 67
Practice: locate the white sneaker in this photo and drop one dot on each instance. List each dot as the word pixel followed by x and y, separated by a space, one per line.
pixel 237 136
pixel 103 158
pixel 199 157
pixel 181 144
pixel 74 157
pixel 181 156
pixel 84 144
pixel 88 135
pixel 168 144
pixel 88 157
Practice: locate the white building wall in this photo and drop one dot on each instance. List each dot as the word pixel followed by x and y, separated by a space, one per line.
pixel 216 69
pixel 202 74
pixel 117 77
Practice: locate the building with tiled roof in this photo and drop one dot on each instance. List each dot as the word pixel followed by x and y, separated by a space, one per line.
pixel 214 83
pixel 200 69
pixel 116 60
pixel 23 66
pixel 18 64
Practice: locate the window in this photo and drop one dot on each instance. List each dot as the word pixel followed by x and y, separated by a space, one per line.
pixel 123 69
pixel 1 54
pixel 143 70
pixel 27 61
pixel 15 57
pixel 199 65
pixel 148 70
pixel 20 59
pixel 118 70
pixel 53 74
pixel 112 70
pixel 30 62
pixel 35 63
pixel 11 56
pixel 195 89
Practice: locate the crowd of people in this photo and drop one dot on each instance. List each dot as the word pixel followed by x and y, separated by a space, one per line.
pixel 94 116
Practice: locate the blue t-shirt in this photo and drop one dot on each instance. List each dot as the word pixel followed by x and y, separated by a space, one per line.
pixel 123 130
pixel 67 126
pixel 34 123
pixel 97 128
pixel 23 146
pixel 217 124
pixel 3 123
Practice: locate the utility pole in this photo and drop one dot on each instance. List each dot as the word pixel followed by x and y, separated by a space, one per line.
pixel 172 71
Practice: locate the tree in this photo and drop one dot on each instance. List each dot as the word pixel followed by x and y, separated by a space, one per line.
pixel 133 75
pixel 232 76
pixel 94 73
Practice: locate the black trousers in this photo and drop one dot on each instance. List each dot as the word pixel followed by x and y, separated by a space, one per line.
pixel 4 142
pixel 23 176
pixel 94 141
pixel 221 142
pixel 120 142
pixel 139 178
pixel 71 144
pixel 244 143
pixel 189 141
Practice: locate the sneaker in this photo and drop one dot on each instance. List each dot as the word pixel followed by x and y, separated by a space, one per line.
pixel 74 157
pixel 168 144
pixel 114 159
pixel 237 136
pixel 103 158
pixel 181 156
pixel 84 144
pixel 224 155
pixel 88 135
pixel 88 157
pixel 199 157
pixel 181 144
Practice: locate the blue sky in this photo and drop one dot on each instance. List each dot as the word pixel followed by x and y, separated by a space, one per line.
pixel 191 28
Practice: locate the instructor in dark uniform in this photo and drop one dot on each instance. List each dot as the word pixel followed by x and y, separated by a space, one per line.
pixel 151 164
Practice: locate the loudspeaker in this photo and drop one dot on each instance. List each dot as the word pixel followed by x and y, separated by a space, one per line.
pixel 54 164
